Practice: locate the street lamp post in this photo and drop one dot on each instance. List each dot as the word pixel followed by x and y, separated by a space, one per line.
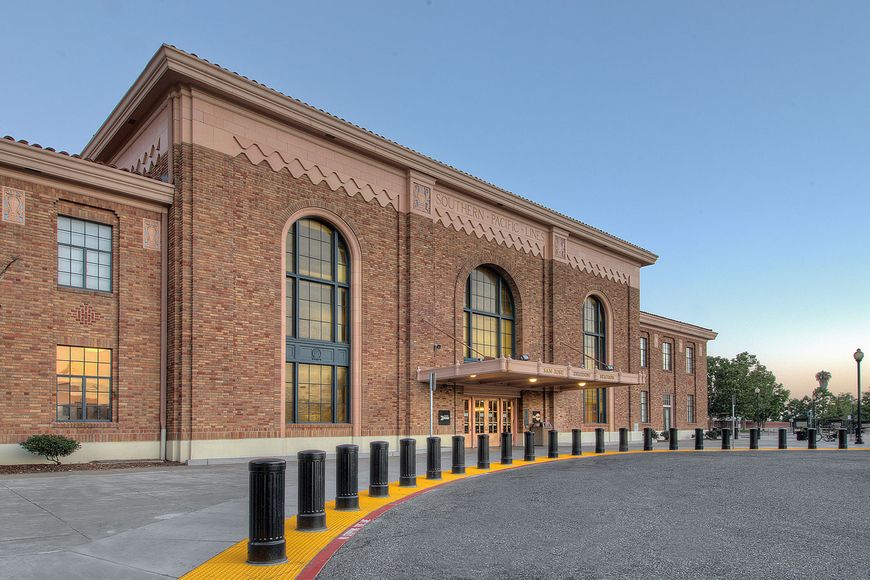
pixel 757 407
pixel 859 356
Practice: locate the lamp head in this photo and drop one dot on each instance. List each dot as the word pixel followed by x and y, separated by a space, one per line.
pixel 859 355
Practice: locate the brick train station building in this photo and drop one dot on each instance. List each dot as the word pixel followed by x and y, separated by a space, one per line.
pixel 227 272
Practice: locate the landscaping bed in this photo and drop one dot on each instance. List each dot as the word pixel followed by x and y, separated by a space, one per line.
pixel 93 466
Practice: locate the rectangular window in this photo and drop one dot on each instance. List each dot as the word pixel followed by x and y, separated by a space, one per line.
pixel 644 406
pixel 666 356
pixel 595 405
pixel 84 254
pixel 690 408
pixel 643 352
pixel 690 360
pixel 84 384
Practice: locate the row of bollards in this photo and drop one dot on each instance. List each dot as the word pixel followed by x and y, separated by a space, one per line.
pixel 267 544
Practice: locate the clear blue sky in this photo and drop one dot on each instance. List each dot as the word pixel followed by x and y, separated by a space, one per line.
pixel 731 138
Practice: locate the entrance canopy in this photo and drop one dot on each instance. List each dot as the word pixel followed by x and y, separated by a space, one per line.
pixel 527 375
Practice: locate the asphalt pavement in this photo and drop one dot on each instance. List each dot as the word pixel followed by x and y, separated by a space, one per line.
pixel 751 514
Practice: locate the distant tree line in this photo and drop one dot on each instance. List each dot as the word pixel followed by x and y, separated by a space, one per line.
pixel 738 378
pixel 743 374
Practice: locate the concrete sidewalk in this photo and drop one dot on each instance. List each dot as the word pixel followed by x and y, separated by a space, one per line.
pixel 159 523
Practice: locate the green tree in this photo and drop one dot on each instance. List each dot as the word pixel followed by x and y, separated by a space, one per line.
pixel 740 377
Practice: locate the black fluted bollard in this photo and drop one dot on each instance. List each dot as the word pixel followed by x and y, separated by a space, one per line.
pixel 599 440
pixel 842 439
pixel 379 467
pixel 576 441
pixel 753 438
pixel 311 491
pixel 699 439
pixel 553 444
pixel 623 439
pixel 346 477
pixel 483 451
pixel 507 449
pixel 433 458
pixel 783 438
pixel 726 438
pixel 528 446
pixel 647 439
pixel 407 462
pixel 458 454
pixel 266 543
pixel 673 442
pixel 811 439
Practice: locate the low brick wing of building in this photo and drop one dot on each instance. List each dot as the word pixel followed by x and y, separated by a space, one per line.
pixel 227 272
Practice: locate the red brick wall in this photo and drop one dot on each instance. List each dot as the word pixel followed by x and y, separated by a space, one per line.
pixel 36 315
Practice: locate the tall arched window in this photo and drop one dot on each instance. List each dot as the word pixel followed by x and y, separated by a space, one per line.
pixel 318 323
pixel 488 327
pixel 594 334
pixel 595 356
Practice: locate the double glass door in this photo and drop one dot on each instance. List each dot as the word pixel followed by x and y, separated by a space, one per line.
pixel 490 417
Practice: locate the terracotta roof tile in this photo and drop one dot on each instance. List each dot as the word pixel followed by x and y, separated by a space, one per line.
pixel 379 136
pixel 76 156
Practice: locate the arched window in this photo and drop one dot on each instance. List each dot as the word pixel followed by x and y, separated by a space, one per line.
pixel 488 327
pixel 318 324
pixel 594 334
pixel 595 356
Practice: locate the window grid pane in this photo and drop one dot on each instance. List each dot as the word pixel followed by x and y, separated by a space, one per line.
pixel 84 254
pixel 315 394
pixel 84 383
pixel 666 356
pixel 690 359
pixel 315 310
pixel 483 291
pixel 484 335
pixel 315 249
pixel 289 402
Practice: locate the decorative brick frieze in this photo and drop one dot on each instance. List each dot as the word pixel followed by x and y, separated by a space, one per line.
pixel 85 314
pixel 277 160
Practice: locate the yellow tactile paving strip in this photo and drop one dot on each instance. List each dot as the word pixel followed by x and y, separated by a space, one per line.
pixel 304 547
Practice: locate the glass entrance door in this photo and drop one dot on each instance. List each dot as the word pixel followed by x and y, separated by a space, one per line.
pixel 489 417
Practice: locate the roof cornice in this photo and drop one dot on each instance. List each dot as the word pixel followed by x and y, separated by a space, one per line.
pixel 669 324
pixel 170 65
pixel 18 156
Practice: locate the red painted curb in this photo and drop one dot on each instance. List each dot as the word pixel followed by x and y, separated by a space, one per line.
pixel 313 568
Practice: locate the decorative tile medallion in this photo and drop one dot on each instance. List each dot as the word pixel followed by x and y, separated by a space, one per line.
pixel 13 205
pixel 150 234
pixel 559 249
pixel 422 198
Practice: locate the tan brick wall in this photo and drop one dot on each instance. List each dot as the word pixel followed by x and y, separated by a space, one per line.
pixel 678 382
pixel 36 315
pixel 224 315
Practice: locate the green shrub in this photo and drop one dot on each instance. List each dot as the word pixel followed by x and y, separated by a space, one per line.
pixel 52 447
